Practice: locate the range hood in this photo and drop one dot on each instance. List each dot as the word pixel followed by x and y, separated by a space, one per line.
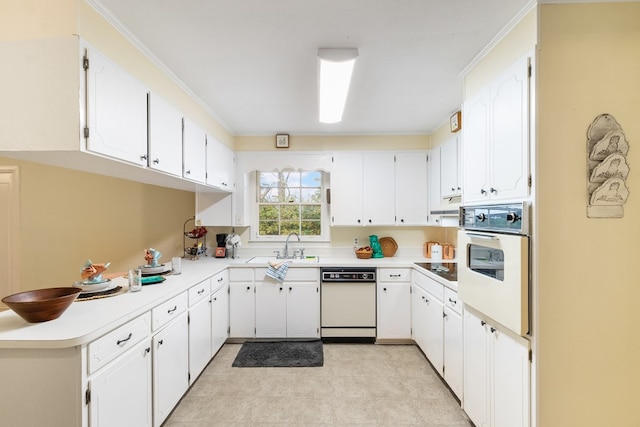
pixel 450 206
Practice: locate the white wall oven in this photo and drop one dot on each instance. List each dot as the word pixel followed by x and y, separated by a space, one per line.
pixel 493 270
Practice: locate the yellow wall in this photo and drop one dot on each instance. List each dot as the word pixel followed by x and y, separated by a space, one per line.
pixel 588 331
pixel 68 217
pixel 333 142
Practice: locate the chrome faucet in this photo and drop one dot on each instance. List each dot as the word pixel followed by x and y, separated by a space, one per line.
pixel 286 244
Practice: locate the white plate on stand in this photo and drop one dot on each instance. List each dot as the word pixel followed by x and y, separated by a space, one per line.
pixel 90 287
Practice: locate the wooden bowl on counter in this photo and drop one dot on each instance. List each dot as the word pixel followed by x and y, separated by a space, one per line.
pixel 42 305
pixel 363 253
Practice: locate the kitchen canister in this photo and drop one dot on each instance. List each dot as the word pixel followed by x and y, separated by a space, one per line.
pixel 436 252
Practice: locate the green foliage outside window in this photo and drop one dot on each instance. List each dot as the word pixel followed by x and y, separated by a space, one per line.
pixel 289 202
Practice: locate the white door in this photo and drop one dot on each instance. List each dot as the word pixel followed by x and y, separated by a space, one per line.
pixel 346 189
pixel 242 321
pixel 453 351
pixel 303 310
pixel 220 165
pixel 116 111
pixel 511 381
pixel 170 367
pixel 475 370
pixel 379 205
pixel 449 185
pixel 219 318
pixel 510 133
pixel 434 344
pixel 411 187
pixel 394 310
pixel 419 313
pixel 199 338
pixel 434 185
pixel 194 144
pixel 165 136
pixel 271 310
pixel 121 393
pixel 475 143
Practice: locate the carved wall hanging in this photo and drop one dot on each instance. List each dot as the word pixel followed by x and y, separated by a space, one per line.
pixel 607 168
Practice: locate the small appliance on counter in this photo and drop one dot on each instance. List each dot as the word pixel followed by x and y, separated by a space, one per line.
pixel 221 247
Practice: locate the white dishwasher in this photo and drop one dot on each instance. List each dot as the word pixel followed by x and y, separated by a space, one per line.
pixel 348 304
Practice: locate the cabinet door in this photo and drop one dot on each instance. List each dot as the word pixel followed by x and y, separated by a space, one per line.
pixel 379 189
pixel 271 310
pixel 242 322
pixel 434 185
pixel 394 310
pixel 475 143
pixel 199 338
pixel 116 111
pixel 411 182
pixel 449 186
pixel 165 136
pixel 170 367
pixel 219 318
pixel 475 370
pixel 434 332
pixel 419 314
pixel 453 351
pixel 221 165
pixel 121 392
pixel 303 310
pixel 510 133
pixel 511 381
pixel 194 152
pixel 346 189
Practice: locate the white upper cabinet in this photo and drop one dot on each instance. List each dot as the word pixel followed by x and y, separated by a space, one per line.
pixel 411 182
pixel 165 136
pixel 116 111
pixel 379 188
pixel 434 199
pixel 221 165
pixel 496 138
pixel 346 189
pixel 449 184
pixel 194 145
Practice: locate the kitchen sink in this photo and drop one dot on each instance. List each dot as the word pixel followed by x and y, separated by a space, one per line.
pixel 266 259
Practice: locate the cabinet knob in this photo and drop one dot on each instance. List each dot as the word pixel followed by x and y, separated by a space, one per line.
pixel 147 350
pixel 188 172
pixel 384 289
pixel 143 157
pixel 493 329
pixel 453 189
pixel 369 221
pixel 248 288
pixel 483 191
pixel 290 288
pixel 482 323
pixel 358 221
pixel 156 161
pixel 493 190
pixel 160 342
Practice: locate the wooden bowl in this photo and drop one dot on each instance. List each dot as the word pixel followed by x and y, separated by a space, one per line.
pixel 42 305
pixel 363 254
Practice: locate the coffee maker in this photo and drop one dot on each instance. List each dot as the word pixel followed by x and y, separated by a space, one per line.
pixel 221 248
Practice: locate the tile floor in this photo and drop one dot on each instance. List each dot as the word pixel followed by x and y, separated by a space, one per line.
pixel 359 384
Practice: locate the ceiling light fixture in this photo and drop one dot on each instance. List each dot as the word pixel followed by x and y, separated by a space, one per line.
pixel 336 66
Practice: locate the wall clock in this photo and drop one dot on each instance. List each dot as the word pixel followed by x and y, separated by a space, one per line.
pixel 456 122
pixel 282 141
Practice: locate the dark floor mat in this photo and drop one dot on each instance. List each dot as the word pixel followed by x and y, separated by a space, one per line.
pixel 283 354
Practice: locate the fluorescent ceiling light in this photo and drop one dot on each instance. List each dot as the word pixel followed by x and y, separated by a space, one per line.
pixel 336 66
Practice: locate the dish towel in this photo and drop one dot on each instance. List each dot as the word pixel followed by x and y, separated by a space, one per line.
pixel 278 270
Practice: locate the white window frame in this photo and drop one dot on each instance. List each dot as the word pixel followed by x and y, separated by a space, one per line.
pixel 253 209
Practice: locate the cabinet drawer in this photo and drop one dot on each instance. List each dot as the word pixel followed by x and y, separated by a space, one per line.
pixel 241 274
pixel 199 292
pixel 105 349
pixel 394 274
pixel 303 274
pixel 168 310
pixel 219 280
pixel 434 288
pixel 451 300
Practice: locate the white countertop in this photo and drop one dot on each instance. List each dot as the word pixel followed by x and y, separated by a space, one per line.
pixel 85 321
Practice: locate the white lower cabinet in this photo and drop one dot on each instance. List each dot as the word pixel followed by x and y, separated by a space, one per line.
pixel 219 317
pixel 121 392
pixel 453 342
pixel 199 328
pixel 242 317
pixel 290 309
pixel 170 367
pixel 394 304
pixel 496 375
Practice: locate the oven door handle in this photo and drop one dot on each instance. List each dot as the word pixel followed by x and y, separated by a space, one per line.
pixel 481 236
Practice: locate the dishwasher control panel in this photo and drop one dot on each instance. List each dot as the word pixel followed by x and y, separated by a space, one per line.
pixel 348 274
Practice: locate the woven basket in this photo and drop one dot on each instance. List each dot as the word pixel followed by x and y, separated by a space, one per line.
pixel 363 254
pixel 389 246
